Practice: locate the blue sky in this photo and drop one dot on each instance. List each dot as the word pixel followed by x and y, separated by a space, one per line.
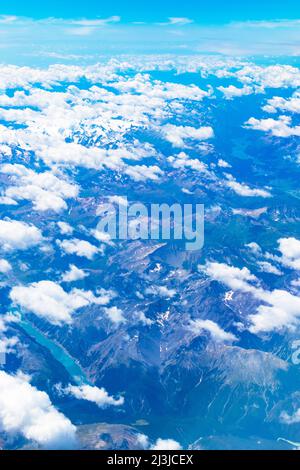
pixel 57 30
pixel 203 12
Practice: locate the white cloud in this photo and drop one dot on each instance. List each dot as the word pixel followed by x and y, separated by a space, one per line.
pixel 87 26
pixel 103 237
pixel 65 228
pixel 176 21
pixel 8 201
pixel 142 440
pixel 78 247
pixel 4 19
pixel 96 395
pixel 161 291
pixel 182 160
pixel 268 24
pixel 267 267
pixel 15 235
pixel 290 419
pixel 7 345
pixel 282 311
pixel 119 200
pixel 243 190
pixel 5 266
pixel 143 319
pixel 290 250
pixel 96 22
pixel 45 190
pixel 273 76
pixel 74 274
pixel 235 278
pixel 278 128
pixel 26 410
pixel 166 444
pixel 50 301
pixel 223 164
pixel 254 247
pixel 142 172
pixel 278 103
pixel 232 91
pixel 278 310
pixel 115 314
pixel 197 326
pixel 177 134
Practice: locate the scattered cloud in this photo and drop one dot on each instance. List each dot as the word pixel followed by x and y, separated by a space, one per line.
pixel 115 315
pixel 198 326
pixel 50 301
pixel 5 266
pixel 166 444
pixel 74 274
pixel 278 309
pixel 16 235
pixel 27 411
pixel 278 128
pixel 176 135
pixel 96 395
pixel 81 248
pixel 176 21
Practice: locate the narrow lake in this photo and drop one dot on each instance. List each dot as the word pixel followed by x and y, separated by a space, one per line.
pixel 56 351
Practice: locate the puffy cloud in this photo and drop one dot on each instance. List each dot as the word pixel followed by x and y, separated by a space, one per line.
pixel 278 309
pixel 223 164
pixel 5 266
pixel 278 103
pixel 103 237
pixel 160 444
pixel 182 160
pixel 74 274
pixel 290 250
pixel 197 326
pixel 8 201
pixel 232 91
pixel 279 128
pixel 45 190
pixel 65 228
pixel 49 300
pixel 254 213
pixel 273 76
pixel 15 235
pixel 7 345
pixel 27 411
pixel 143 319
pixel 166 444
pixel 156 93
pixel 135 101
pixel 254 247
pixel 96 395
pixel 235 278
pixel 243 190
pixel 115 314
pixel 290 419
pixel 78 247
pixel 140 172
pixel 177 134
pixel 142 440
pixel 161 291
pixel 282 311
pixel 267 267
